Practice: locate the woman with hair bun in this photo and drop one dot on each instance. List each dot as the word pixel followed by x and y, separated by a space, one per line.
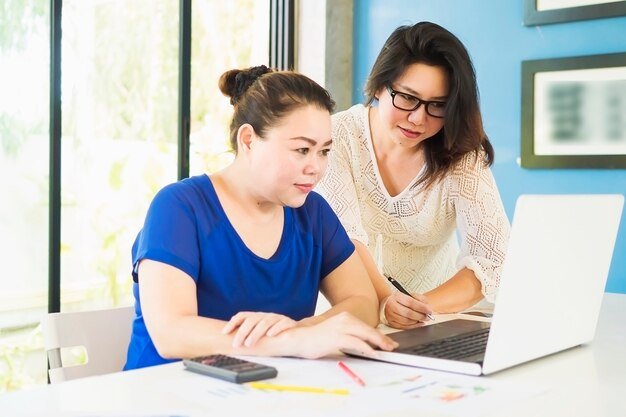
pixel 232 262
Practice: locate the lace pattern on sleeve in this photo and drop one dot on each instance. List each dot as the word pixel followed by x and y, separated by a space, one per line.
pixel 481 221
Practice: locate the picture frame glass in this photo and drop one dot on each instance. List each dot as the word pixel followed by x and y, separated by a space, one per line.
pixel 562 4
pixel 580 112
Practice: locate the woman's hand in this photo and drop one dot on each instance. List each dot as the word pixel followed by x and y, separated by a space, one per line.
pixel 339 332
pixel 252 326
pixel 406 312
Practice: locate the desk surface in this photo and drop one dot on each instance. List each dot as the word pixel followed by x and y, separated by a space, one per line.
pixel 584 381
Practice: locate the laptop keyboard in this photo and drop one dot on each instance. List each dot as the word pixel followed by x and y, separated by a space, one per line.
pixel 456 347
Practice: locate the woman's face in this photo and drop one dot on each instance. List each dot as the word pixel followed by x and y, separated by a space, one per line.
pixel 292 157
pixel 410 128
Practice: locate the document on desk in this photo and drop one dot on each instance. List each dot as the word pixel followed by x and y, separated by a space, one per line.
pixel 389 389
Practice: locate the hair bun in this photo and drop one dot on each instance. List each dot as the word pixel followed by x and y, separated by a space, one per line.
pixel 245 78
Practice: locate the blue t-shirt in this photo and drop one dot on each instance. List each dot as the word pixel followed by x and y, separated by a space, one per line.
pixel 186 227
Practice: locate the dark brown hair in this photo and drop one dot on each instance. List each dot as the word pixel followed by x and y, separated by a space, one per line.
pixel 262 97
pixel 463 130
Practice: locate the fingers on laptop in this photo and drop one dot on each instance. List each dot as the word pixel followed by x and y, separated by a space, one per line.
pixel 345 332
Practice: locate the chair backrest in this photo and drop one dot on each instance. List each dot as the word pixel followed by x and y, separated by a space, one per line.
pixel 104 334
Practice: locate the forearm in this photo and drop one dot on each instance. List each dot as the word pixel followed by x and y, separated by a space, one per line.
pixel 461 291
pixel 349 289
pixel 341 331
pixel 189 336
pixel 362 307
pixel 379 282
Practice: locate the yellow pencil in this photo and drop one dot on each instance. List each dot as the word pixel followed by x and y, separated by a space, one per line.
pixel 315 390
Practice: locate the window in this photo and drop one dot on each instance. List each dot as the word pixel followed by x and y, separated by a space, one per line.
pixel 119 145
pixel 211 56
pixel 24 82
pixel 119 69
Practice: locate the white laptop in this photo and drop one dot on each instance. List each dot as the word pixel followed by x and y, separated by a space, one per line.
pixel 550 292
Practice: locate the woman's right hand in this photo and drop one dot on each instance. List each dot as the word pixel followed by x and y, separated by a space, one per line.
pixel 406 312
pixel 335 334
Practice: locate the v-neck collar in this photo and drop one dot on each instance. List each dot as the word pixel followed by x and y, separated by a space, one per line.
pixel 213 196
pixel 369 143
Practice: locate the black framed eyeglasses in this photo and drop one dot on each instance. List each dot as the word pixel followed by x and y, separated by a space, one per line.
pixel 407 102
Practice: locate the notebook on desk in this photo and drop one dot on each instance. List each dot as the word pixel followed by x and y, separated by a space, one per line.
pixel 550 292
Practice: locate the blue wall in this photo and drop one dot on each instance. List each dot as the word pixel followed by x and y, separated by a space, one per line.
pixel 494 33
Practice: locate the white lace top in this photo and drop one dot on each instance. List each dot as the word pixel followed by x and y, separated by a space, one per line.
pixel 412 235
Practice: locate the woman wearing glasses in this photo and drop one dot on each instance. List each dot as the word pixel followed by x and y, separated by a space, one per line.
pixel 409 171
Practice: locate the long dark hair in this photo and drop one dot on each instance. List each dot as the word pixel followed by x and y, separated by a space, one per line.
pixel 262 97
pixel 463 130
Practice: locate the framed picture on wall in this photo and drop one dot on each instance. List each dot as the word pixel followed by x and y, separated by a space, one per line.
pixel 541 12
pixel 574 112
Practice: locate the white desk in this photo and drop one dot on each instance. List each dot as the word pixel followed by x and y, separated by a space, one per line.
pixel 584 381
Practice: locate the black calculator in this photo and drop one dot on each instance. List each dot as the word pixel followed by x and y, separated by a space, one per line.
pixel 230 368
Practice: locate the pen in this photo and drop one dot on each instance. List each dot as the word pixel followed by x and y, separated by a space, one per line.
pixel 351 373
pixel 403 291
pixel 294 388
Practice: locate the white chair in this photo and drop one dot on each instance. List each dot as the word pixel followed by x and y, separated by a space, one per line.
pixel 104 334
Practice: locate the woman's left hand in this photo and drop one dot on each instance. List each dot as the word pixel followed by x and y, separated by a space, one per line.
pixel 250 327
